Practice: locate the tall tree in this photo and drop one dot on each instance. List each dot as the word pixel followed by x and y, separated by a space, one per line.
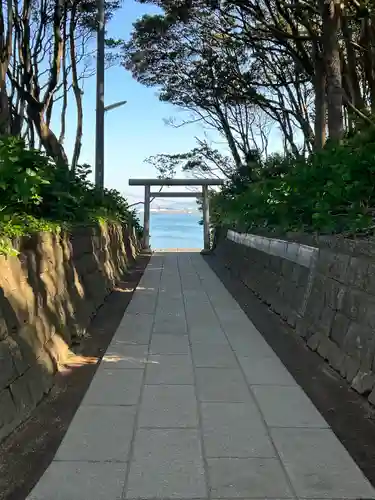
pixel 194 69
pixel 50 47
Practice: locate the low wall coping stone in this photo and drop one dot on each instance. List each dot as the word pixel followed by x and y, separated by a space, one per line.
pixel 301 254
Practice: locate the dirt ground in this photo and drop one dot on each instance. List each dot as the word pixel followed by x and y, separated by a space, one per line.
pixel 351 418
pixel 25 454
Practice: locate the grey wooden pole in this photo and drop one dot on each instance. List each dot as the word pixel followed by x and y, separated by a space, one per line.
pixel 100 63
pixel 146 220
pixel 206 218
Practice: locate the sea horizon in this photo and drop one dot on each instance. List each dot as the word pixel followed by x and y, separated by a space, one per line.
pixel 175 229
pixel 172 210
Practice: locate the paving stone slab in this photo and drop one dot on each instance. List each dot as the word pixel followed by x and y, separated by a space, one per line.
pixel 175 318
pixel 265 371
pixel 166 464
pixel 135 321
pixel 174 326
pixel 235 430
pixel 247 331
pixel 141 337
pixel 168 406
pixel 171 310
pixel 319 466
pixel 190 281
pixel 250 346
pixel 169 344
pixel 230 315
pixel 287 406
pixel 150 279
pixel 167 292
pixel 135 328
pixel 114 387
pixel 99 433
pixel 81 481
pixel 208 334
pixel 123 355
pixel 195 296
pixel 213 356
pixel 169 369
pixel 238 322
pixel 208 338
pixel 197 318
pixel 247 478
pixel 142 302
pixel 198 300
pixel 221 384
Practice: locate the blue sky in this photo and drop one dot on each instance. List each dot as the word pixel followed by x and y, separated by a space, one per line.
pixel 132 132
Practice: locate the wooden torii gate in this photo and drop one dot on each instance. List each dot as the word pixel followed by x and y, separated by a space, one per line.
pixel 204 183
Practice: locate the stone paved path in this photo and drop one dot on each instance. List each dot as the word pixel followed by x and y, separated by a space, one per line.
pixel 191 403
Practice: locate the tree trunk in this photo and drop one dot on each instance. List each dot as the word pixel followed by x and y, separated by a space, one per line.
pixel 36 110
pixel 76 90
pixel 5 118
pixel 47 138
pixel 49 112
pixel 65 80
pixel 286 128
pixel 31 135
pixel 331 53
pixel 6 42
pixel 229 137
pixel 57 53
pixel 352 74
pixel 320 104
pixel 368 56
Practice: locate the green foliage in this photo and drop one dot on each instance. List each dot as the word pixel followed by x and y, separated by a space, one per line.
pixel 36 195
pixel 332 191
pixel 182 52
pixel 6 247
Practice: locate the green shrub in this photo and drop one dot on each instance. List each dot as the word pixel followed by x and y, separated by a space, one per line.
pixel 332 191
pixel 38 195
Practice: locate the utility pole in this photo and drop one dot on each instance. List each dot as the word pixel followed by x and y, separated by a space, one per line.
pixel 99 143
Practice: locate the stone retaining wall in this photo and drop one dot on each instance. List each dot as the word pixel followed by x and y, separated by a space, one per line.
pixel 48 295
pixel 323 287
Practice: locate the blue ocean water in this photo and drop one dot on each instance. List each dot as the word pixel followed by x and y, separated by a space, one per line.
pixel 175 230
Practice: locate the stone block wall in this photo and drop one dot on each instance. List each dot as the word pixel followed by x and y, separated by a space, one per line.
pixel 323 287
pixel 48 296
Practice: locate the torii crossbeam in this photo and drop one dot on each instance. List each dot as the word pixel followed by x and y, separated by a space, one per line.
pixel 204 183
